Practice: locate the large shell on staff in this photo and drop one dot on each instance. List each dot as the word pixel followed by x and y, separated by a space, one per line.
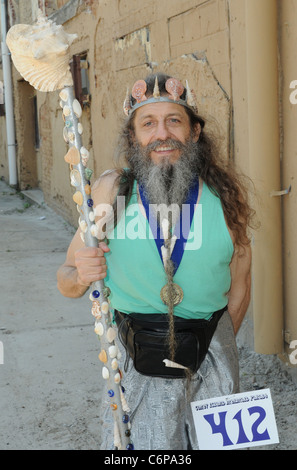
pixel 40 53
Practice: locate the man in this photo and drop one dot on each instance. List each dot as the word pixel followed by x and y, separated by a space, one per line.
pixel 198 275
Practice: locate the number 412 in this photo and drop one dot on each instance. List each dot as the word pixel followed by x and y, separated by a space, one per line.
pixel 220 428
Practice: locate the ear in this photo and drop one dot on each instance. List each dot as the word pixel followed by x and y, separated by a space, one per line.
pixel 197 132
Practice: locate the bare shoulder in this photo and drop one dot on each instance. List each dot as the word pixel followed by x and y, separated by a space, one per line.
pixel 105 188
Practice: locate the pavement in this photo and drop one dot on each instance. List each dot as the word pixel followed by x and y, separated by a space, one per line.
pixel 50 375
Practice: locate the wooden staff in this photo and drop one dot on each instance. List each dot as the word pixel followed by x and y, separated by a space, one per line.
pixel 45 65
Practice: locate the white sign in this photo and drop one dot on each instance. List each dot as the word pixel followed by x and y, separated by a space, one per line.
pixel 235 421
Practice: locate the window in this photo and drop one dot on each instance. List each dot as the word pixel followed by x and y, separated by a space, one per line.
pixel 80 72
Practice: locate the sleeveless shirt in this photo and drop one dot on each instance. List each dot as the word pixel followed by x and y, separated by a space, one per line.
pixel 135 271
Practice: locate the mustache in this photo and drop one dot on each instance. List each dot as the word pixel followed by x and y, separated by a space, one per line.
pixel 171 143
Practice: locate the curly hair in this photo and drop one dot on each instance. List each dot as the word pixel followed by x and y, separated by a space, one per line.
pixel 220 176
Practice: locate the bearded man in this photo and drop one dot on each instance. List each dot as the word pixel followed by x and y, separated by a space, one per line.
pixel 189 264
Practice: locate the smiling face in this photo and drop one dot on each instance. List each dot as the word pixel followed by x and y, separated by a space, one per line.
pixel 163 124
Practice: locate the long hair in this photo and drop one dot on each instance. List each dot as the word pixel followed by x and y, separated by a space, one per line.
pixel 219 175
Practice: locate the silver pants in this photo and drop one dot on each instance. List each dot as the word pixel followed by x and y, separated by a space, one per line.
pixel 161 415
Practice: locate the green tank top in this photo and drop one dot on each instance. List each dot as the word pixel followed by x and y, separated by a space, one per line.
pixel 136 275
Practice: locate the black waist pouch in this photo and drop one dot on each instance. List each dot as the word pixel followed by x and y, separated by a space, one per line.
pixel 145 338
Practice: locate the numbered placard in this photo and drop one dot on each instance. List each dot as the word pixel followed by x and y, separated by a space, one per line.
pixel 236 421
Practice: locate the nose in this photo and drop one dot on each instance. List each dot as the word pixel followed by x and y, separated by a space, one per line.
pixel 162 132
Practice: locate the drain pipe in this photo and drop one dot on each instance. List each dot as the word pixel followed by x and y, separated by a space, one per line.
pixel 264 163
pixel 8 95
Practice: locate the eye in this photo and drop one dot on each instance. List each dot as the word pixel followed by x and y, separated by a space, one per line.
pixel 148 124
pixel 175 120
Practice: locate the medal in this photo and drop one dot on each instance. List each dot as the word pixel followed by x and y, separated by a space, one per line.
pixel 178 294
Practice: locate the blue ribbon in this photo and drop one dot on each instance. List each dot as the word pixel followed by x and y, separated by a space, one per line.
pixel 182 227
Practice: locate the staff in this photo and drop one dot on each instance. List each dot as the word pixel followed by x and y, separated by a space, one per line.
pixel 41 55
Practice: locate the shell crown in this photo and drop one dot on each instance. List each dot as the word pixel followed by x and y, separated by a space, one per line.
pixel 174 89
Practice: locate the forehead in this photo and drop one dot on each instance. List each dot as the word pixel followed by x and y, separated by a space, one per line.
pixel 160 110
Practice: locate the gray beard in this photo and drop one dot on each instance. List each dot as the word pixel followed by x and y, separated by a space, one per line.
pixel 166 185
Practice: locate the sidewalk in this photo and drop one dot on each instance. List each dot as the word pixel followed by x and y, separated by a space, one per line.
pixel 50 378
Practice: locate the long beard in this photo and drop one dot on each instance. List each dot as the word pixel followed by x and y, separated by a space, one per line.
pixel 166 184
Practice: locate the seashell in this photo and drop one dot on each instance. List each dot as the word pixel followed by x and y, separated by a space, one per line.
pixel 117 378
pixel 138 91
pixel 111 334
pixel 112 351
pixel 66 111
pixel 64 94
pixel 94 230
pixel 77 108
pixel 103 356
pixel 91 216
pixel 75 178
pixel 105 307
pixel 99 329
pixel 61 104
pixel 78 198
pixel 127 104
pixel 88 173
pixel 106 291
pixel 84 152
pixel 114 364
pixel 83 225
pixel 41 54
pixel 72 156
pixel 96 311
pixel 156 93
pixel 124 403
pixel 65 135
pixel 105 373
pixel 80 128
pixel 87 189
pixel 82 236
pixel 175 88
pixel 71 137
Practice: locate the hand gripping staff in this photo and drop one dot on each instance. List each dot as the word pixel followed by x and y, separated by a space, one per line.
pixel 40 53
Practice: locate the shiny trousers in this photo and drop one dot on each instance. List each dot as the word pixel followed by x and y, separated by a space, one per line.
pixel 161 415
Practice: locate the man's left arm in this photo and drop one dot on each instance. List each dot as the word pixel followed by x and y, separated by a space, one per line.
pixel 240 290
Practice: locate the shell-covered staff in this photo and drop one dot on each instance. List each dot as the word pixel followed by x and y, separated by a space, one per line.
pixel 40 53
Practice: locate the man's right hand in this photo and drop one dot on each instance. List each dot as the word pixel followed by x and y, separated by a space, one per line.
pixel 91 264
